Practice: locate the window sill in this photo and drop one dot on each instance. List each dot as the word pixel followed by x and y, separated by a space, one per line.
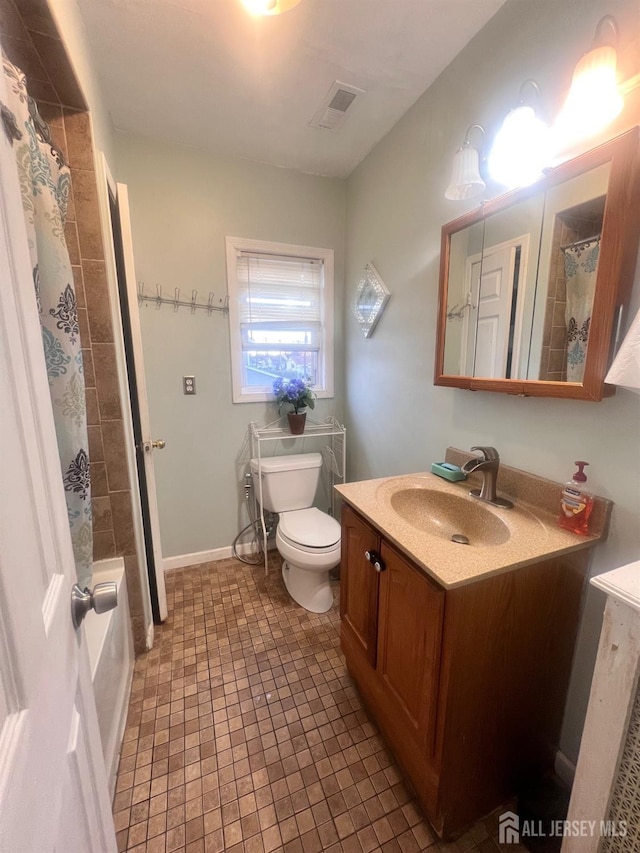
pixel 267 396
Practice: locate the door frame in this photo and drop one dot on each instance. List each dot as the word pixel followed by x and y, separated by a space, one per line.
pixel 141 418
pixel 106 184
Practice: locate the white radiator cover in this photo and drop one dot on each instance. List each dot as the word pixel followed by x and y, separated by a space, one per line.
pixel 607 782
pixel 625 797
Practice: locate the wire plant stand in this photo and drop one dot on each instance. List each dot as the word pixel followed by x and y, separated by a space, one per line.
pixel 277 436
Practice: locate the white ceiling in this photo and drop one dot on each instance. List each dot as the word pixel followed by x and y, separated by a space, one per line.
pixel 204 73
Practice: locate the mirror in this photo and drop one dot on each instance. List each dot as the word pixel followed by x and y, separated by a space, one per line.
pixel 533 282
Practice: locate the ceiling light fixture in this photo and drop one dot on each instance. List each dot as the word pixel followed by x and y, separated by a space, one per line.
pixel 594 99
pixel 466 181
pixel 269 7
pixel 522 147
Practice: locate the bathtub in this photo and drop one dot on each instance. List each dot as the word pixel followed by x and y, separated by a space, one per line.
pixel 110 647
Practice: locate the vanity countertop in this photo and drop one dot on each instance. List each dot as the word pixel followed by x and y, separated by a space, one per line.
pixel 533 533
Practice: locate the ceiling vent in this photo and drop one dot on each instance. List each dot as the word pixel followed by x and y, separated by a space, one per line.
pixel 334 107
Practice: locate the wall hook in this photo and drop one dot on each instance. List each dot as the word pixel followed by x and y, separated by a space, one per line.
pixel 177 302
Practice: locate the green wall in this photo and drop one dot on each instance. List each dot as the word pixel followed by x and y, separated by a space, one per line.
pixel 183 205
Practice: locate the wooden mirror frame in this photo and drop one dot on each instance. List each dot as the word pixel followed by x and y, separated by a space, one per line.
pixel 616 266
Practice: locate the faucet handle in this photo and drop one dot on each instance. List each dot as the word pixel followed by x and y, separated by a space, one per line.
pixel 489 453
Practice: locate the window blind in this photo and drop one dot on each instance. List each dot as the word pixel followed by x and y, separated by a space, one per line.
pixel 280 302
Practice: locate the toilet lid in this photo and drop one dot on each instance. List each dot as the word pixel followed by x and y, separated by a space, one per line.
pixel 310 527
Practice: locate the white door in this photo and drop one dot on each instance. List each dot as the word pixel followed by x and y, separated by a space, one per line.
pixel 148 445
pixel 490 320
pixel 53 785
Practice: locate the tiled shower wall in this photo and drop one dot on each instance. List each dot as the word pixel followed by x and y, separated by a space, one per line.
pixel 30 40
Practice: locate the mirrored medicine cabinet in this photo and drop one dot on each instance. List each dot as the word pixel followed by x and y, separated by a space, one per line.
pixel 533 284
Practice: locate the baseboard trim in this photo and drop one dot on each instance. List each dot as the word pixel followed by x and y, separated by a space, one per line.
pixel 565 768
pixel 199 557
pixel 196 559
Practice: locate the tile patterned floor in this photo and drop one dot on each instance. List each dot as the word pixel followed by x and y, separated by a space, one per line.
pixel 245 733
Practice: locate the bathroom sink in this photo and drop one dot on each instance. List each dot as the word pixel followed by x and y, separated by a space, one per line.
pixel 454 517
pixel 423 515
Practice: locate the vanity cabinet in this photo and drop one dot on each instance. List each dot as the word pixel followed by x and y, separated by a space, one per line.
pixel 467 684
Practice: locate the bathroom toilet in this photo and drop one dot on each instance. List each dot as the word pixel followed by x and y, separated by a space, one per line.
pixel 307 539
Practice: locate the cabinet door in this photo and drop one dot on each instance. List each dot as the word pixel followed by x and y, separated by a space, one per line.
pixel 359 583
pixel 409 636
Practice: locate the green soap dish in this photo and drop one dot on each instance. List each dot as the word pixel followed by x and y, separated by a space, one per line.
pixel 448 471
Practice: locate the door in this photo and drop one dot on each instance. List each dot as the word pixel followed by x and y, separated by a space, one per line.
pixel 146 445
pixel 53 785
pixel 409 637
pixel 491 286
pixel 359 584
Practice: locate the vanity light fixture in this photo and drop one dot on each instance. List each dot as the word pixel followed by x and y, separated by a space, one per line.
pixel 466 181
pixel 594 99
pixel 269 7
pixel 521 148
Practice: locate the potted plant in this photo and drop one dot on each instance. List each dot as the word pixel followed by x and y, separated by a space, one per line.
pixel 298 394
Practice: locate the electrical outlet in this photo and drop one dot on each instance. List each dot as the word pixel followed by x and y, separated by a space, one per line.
pixel 189 384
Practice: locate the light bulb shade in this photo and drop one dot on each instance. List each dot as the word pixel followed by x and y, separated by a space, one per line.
pixel 269 7
pixel 465 175
pixel 593 100
pixel 521 149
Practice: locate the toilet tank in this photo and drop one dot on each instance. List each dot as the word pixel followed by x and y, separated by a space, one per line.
pixel 288 482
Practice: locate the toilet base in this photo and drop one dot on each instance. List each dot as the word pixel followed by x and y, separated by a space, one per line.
pixel 309 589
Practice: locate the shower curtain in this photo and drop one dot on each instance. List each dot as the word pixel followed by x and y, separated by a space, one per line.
pixel 45 183
pixel 580 265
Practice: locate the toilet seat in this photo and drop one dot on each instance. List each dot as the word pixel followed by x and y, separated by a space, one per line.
pixel 309 530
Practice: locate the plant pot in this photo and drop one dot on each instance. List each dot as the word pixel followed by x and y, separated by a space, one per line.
pixel 296 422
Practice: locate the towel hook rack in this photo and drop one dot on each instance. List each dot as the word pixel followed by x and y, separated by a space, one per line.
pixel 209 306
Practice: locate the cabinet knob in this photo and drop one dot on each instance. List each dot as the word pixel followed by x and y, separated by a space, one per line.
pixel 374 558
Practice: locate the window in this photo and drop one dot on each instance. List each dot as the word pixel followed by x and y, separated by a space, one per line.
pixel 281 316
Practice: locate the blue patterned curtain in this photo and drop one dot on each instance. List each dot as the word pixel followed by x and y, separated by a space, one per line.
pixel 580 266
pixel 45 183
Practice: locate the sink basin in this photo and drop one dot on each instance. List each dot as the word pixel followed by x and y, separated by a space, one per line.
pixel 446 515
pixel 421 513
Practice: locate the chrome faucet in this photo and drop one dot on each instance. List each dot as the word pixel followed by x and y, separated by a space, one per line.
pixel 488 465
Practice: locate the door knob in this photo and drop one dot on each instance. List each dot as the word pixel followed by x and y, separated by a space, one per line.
pixel 103 597
pixel 158 444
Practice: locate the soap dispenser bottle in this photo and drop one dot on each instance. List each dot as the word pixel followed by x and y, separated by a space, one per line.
pixel 576 503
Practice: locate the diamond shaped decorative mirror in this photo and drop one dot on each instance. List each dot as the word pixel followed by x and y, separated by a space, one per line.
pixel 370 300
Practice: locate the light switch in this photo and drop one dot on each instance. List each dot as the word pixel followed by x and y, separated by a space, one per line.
pixel 189 384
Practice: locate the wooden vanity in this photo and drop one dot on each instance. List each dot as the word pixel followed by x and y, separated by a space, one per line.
pixel 466 679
